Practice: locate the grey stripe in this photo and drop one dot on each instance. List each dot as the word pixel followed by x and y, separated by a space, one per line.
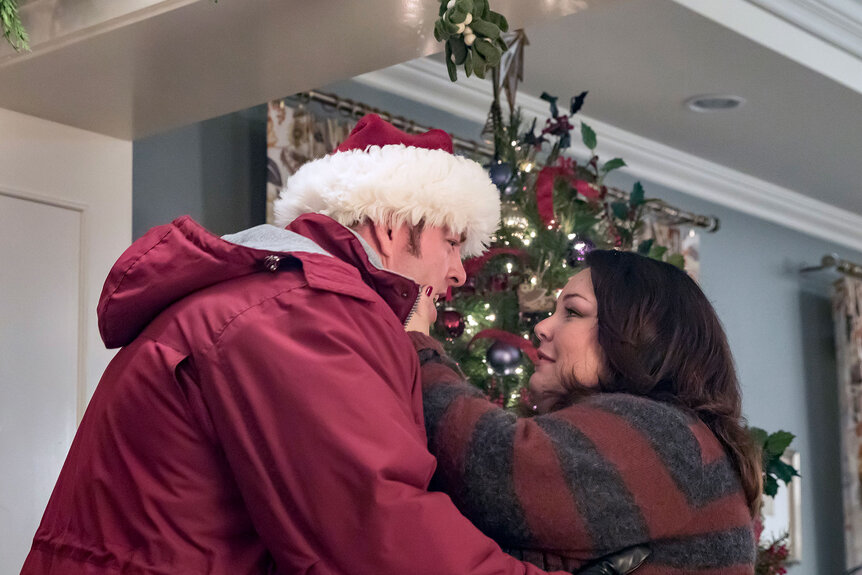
pixel 490 500
pixel 667 429
pixel 612 517
pixel 709 551
pixel 437 399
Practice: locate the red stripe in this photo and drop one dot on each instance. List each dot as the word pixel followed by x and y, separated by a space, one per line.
pixel 548 504
pixel 710 447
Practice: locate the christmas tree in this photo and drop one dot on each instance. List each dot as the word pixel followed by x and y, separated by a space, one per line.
pixel 554 211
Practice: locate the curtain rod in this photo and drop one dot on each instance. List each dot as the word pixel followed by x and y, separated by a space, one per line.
pixel 351 108
pixel 833 262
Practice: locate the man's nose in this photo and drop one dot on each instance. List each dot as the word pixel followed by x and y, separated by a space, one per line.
pixel 457 275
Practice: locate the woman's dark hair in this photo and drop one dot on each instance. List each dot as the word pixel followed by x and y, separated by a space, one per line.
pixel 662 339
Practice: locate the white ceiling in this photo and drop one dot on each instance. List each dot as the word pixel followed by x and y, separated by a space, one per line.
pixel 641 59
pixel 162 64
pixel 148 66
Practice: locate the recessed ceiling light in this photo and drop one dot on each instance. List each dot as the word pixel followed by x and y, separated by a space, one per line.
pixel 714 103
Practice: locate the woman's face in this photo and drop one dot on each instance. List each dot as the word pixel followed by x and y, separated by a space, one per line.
pixel 568 343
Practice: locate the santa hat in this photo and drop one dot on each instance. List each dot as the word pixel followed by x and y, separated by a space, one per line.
pixel 389 176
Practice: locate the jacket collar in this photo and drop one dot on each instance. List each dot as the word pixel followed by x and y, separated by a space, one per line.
pixel 398 291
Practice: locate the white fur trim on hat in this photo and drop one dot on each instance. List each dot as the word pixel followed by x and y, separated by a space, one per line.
pixel 397 184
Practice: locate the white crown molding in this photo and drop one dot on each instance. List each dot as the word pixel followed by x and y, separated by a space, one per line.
pixel 425 81
pixel 797 40
pixel 839 22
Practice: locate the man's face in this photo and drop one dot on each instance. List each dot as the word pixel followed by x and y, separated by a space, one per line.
pixel 435 260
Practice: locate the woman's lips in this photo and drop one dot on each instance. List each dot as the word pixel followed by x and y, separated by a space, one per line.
pixel 545 357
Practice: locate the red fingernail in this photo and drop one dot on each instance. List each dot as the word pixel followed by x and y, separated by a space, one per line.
pixel 428 291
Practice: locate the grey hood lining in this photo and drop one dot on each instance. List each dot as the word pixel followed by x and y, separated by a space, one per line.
pixel 274 239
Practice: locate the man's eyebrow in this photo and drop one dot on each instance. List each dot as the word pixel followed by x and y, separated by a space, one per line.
pixel 463 237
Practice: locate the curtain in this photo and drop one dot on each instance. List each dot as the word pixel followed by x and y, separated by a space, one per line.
pixel 847 310
pixel 294 136
pixel 678 239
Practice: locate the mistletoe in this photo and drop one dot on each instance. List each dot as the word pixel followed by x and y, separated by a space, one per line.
pixel 13 29
pixel 472 35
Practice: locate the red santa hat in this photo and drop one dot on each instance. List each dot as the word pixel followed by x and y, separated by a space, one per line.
pixel 389 176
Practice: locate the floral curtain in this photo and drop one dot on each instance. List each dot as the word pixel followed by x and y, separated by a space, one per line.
pixel 678 239
pixel 847 310
pixel 294 136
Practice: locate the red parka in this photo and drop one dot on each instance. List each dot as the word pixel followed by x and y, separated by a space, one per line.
pixel 263 416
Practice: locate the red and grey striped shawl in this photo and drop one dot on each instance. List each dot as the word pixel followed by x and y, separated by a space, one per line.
pixel 609 472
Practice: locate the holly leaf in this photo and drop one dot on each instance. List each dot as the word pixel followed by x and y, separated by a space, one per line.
pixel 782 471
pixel 758 436
pixel 645 247
pixel 677 260
pixel 770 486
pixel 577 103
pixel 613 164
pixel 620 209
pixel 637 196
pixel 588 136
pixel 552 100
pixel 778 442
pixel 657 252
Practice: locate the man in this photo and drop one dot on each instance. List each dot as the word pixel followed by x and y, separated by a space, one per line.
pixel 264 413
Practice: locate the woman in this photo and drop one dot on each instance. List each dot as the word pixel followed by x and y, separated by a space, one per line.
pixel 639 437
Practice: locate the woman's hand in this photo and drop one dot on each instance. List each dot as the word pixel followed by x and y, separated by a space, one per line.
pixel 424 313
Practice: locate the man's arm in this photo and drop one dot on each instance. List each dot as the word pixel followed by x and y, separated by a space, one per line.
pixel 323 438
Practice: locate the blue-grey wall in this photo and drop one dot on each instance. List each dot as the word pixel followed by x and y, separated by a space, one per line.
pixel 778 322
pixel 779 325
pixel 214 171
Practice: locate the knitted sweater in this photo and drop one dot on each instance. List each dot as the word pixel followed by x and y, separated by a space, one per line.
pixel 608 472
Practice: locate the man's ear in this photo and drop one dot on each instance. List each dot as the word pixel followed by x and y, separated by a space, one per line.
pixel 383 239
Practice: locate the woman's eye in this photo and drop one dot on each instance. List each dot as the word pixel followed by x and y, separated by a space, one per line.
pixel 572 312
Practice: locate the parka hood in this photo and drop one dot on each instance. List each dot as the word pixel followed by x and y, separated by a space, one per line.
pixel 174 260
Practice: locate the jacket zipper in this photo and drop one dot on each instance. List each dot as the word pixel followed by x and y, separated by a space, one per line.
pixel 413 310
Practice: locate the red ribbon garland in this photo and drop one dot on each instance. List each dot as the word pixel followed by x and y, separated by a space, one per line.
pixel 510 338
pixel 545 190
pixel 473 265
pixel 545 181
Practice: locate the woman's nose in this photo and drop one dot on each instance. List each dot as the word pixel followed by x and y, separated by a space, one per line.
pixel 542 330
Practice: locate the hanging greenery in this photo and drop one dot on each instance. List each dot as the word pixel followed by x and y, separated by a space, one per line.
pixel 471 32
pixel 13 29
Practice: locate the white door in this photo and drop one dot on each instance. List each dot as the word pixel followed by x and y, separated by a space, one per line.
pixel 65 217
pixel 40 279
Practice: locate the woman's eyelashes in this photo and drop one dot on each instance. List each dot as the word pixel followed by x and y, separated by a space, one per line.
pixel 571 312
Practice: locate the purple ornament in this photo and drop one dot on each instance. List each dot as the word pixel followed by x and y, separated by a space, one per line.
pixel 503 358
pixel 579 247
pixel 501 174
